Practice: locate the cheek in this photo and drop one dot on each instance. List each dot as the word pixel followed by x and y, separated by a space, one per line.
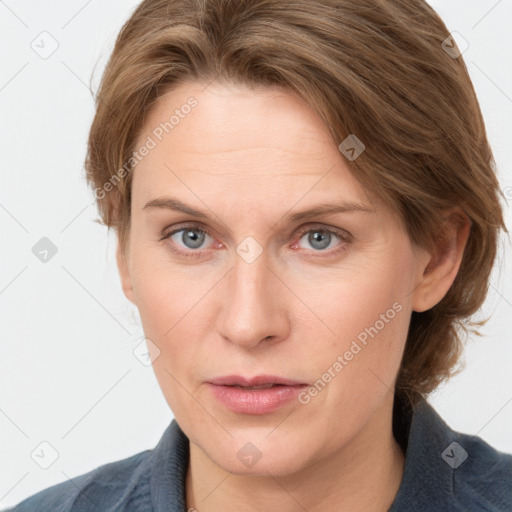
pixel 369 313
pixel 173 307
pixel 164 292
pixel 355 301
pixel 167 303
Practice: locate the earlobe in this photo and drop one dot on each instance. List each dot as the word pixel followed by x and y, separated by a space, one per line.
pixel 441 268
pixel 124 274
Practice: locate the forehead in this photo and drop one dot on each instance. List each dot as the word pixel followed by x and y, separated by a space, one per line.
pixel 226 114
pixel 242 143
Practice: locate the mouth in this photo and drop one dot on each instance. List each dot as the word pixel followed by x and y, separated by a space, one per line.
pixel 257 382
pixel 263 386
pixel 255 396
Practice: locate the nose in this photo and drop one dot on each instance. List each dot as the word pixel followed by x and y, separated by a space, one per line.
pixel 253 304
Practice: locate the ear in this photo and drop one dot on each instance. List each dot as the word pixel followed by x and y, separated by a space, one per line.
pixel 124 273
pixel 439 269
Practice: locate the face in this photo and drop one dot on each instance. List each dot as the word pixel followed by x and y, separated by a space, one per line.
pixel 250 288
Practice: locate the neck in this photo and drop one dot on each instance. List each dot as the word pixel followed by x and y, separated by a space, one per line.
pixel 363 475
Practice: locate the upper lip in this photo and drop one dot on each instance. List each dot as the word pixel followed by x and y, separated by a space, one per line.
pixel 258 380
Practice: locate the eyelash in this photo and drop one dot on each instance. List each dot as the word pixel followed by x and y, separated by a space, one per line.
pixel 343 236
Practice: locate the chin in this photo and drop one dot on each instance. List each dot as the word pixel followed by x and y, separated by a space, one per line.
pixel 260 457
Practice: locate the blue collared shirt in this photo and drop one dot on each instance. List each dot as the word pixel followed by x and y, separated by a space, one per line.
pixel 445 471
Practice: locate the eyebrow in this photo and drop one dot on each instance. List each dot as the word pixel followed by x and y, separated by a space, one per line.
pixel 170 203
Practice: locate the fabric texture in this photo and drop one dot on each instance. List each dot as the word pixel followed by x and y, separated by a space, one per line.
pixel 445 471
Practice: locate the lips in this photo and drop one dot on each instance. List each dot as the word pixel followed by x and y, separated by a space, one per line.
pixel 257 382
pixel 258 395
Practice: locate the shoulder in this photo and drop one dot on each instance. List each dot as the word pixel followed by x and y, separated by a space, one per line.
pixel 449 470
pixel 110 487
pixel 484 476
pixel 149 479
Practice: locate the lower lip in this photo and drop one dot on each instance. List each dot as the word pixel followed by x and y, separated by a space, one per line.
pixel 255 401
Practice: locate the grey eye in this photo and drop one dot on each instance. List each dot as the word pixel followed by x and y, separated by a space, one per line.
pixel 319 239
pixel 191 238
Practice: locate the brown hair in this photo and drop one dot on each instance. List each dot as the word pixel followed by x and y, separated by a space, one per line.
pixel 374 68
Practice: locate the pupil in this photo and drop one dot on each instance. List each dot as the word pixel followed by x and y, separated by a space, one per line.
pixel 199 237
pixel 319 236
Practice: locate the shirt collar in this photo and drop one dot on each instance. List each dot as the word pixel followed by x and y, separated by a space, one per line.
pixel 169 470
pixel 428 476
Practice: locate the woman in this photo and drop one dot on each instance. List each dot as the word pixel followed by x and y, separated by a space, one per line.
pixel 307 216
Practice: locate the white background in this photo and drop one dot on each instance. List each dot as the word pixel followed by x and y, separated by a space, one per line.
pixel 67 372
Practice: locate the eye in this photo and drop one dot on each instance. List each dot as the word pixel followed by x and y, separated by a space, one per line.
pixel 187 237
pixel 322 238
pixel 190 240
